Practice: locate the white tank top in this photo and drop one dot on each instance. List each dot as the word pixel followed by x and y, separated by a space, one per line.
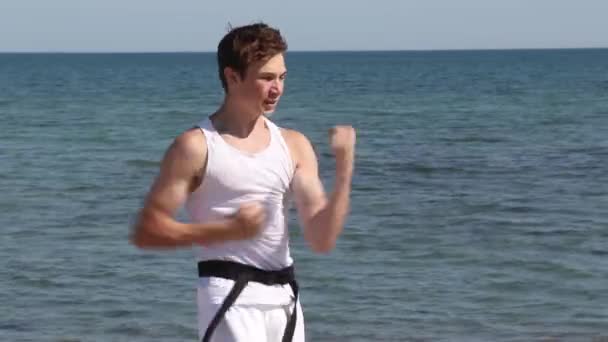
pixel 233 177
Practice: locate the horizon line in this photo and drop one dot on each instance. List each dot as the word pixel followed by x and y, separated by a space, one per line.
pixel 298 51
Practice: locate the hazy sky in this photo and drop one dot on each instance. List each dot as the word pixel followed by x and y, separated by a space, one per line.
pixel 197 25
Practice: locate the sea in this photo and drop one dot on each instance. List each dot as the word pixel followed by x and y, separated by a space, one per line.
pixel 479 202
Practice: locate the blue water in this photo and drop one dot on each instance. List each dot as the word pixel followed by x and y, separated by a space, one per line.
pixel 479 205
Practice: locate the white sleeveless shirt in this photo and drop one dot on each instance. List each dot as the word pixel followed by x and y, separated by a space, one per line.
pixel 233 177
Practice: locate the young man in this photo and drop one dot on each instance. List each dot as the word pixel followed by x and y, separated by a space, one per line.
pixel 235 173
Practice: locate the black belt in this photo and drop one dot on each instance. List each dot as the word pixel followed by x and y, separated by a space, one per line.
pixel 242 274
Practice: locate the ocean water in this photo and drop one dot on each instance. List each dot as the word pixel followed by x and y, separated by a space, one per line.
pixel 479 204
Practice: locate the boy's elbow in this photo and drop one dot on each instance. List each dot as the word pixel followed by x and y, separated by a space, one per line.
pixel 141 235
pixel 318 242
pixel 137 237
pixel 322 247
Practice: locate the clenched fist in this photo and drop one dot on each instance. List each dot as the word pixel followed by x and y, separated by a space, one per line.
pixel 247 221
pixel 342 141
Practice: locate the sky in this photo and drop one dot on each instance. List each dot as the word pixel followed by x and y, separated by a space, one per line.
pixel 197 25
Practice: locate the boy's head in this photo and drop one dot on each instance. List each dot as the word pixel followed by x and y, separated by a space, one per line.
pixel 246 45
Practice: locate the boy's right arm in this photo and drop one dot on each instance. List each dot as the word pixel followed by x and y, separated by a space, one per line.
pixel 181 171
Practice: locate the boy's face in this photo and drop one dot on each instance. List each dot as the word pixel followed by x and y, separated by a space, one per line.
pixel 262 85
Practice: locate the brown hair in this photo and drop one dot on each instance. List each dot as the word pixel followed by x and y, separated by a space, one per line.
pixel 245 45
